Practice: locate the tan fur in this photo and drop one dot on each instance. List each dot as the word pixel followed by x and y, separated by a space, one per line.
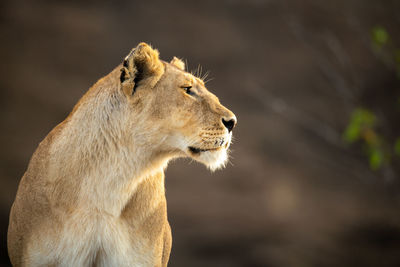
pixel 93 193
pixel 178 63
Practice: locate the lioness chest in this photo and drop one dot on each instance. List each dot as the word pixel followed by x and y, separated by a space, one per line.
pixel 93 239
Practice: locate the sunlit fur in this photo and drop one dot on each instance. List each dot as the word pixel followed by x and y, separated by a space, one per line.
pixel 93 193
pixel 214 160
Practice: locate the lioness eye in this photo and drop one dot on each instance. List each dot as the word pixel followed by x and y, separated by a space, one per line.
pixel 188 90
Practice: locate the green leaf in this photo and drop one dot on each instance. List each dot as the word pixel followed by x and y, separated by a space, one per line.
pixel 398 71
pixel 361 119
pixel 380 36
pixel 352 133
pixel 397 55
pixel 375 159
pixel 397 147
pixel 367 118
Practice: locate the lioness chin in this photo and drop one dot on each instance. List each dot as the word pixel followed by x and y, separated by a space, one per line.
pixel 93 193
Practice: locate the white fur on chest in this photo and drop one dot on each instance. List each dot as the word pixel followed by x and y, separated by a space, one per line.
pixel 90 239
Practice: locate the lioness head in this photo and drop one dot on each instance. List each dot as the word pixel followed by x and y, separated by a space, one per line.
pixel 189 119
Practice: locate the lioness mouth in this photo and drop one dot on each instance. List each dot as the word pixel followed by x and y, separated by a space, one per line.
pixel 195 150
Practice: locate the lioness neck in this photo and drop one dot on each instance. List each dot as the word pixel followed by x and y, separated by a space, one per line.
pixel 96 164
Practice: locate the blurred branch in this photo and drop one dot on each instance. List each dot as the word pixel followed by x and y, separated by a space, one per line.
pixel 297 116
pixel 319 128
pixel 340 84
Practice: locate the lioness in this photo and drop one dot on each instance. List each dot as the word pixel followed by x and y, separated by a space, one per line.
pixel 93 193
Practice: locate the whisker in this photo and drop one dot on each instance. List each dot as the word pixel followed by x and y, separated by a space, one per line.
pixel 186 65
pixel 208 80
pixel 230 163
pixel 198 71
pixel 205 75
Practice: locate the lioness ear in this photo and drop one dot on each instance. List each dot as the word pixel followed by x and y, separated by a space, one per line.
pixel 178 63
pixel 140 64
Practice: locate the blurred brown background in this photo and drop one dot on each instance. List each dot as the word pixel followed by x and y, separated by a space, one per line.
pixel 294 72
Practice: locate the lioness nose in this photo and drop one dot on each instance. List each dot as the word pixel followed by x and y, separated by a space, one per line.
pixel 229 123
